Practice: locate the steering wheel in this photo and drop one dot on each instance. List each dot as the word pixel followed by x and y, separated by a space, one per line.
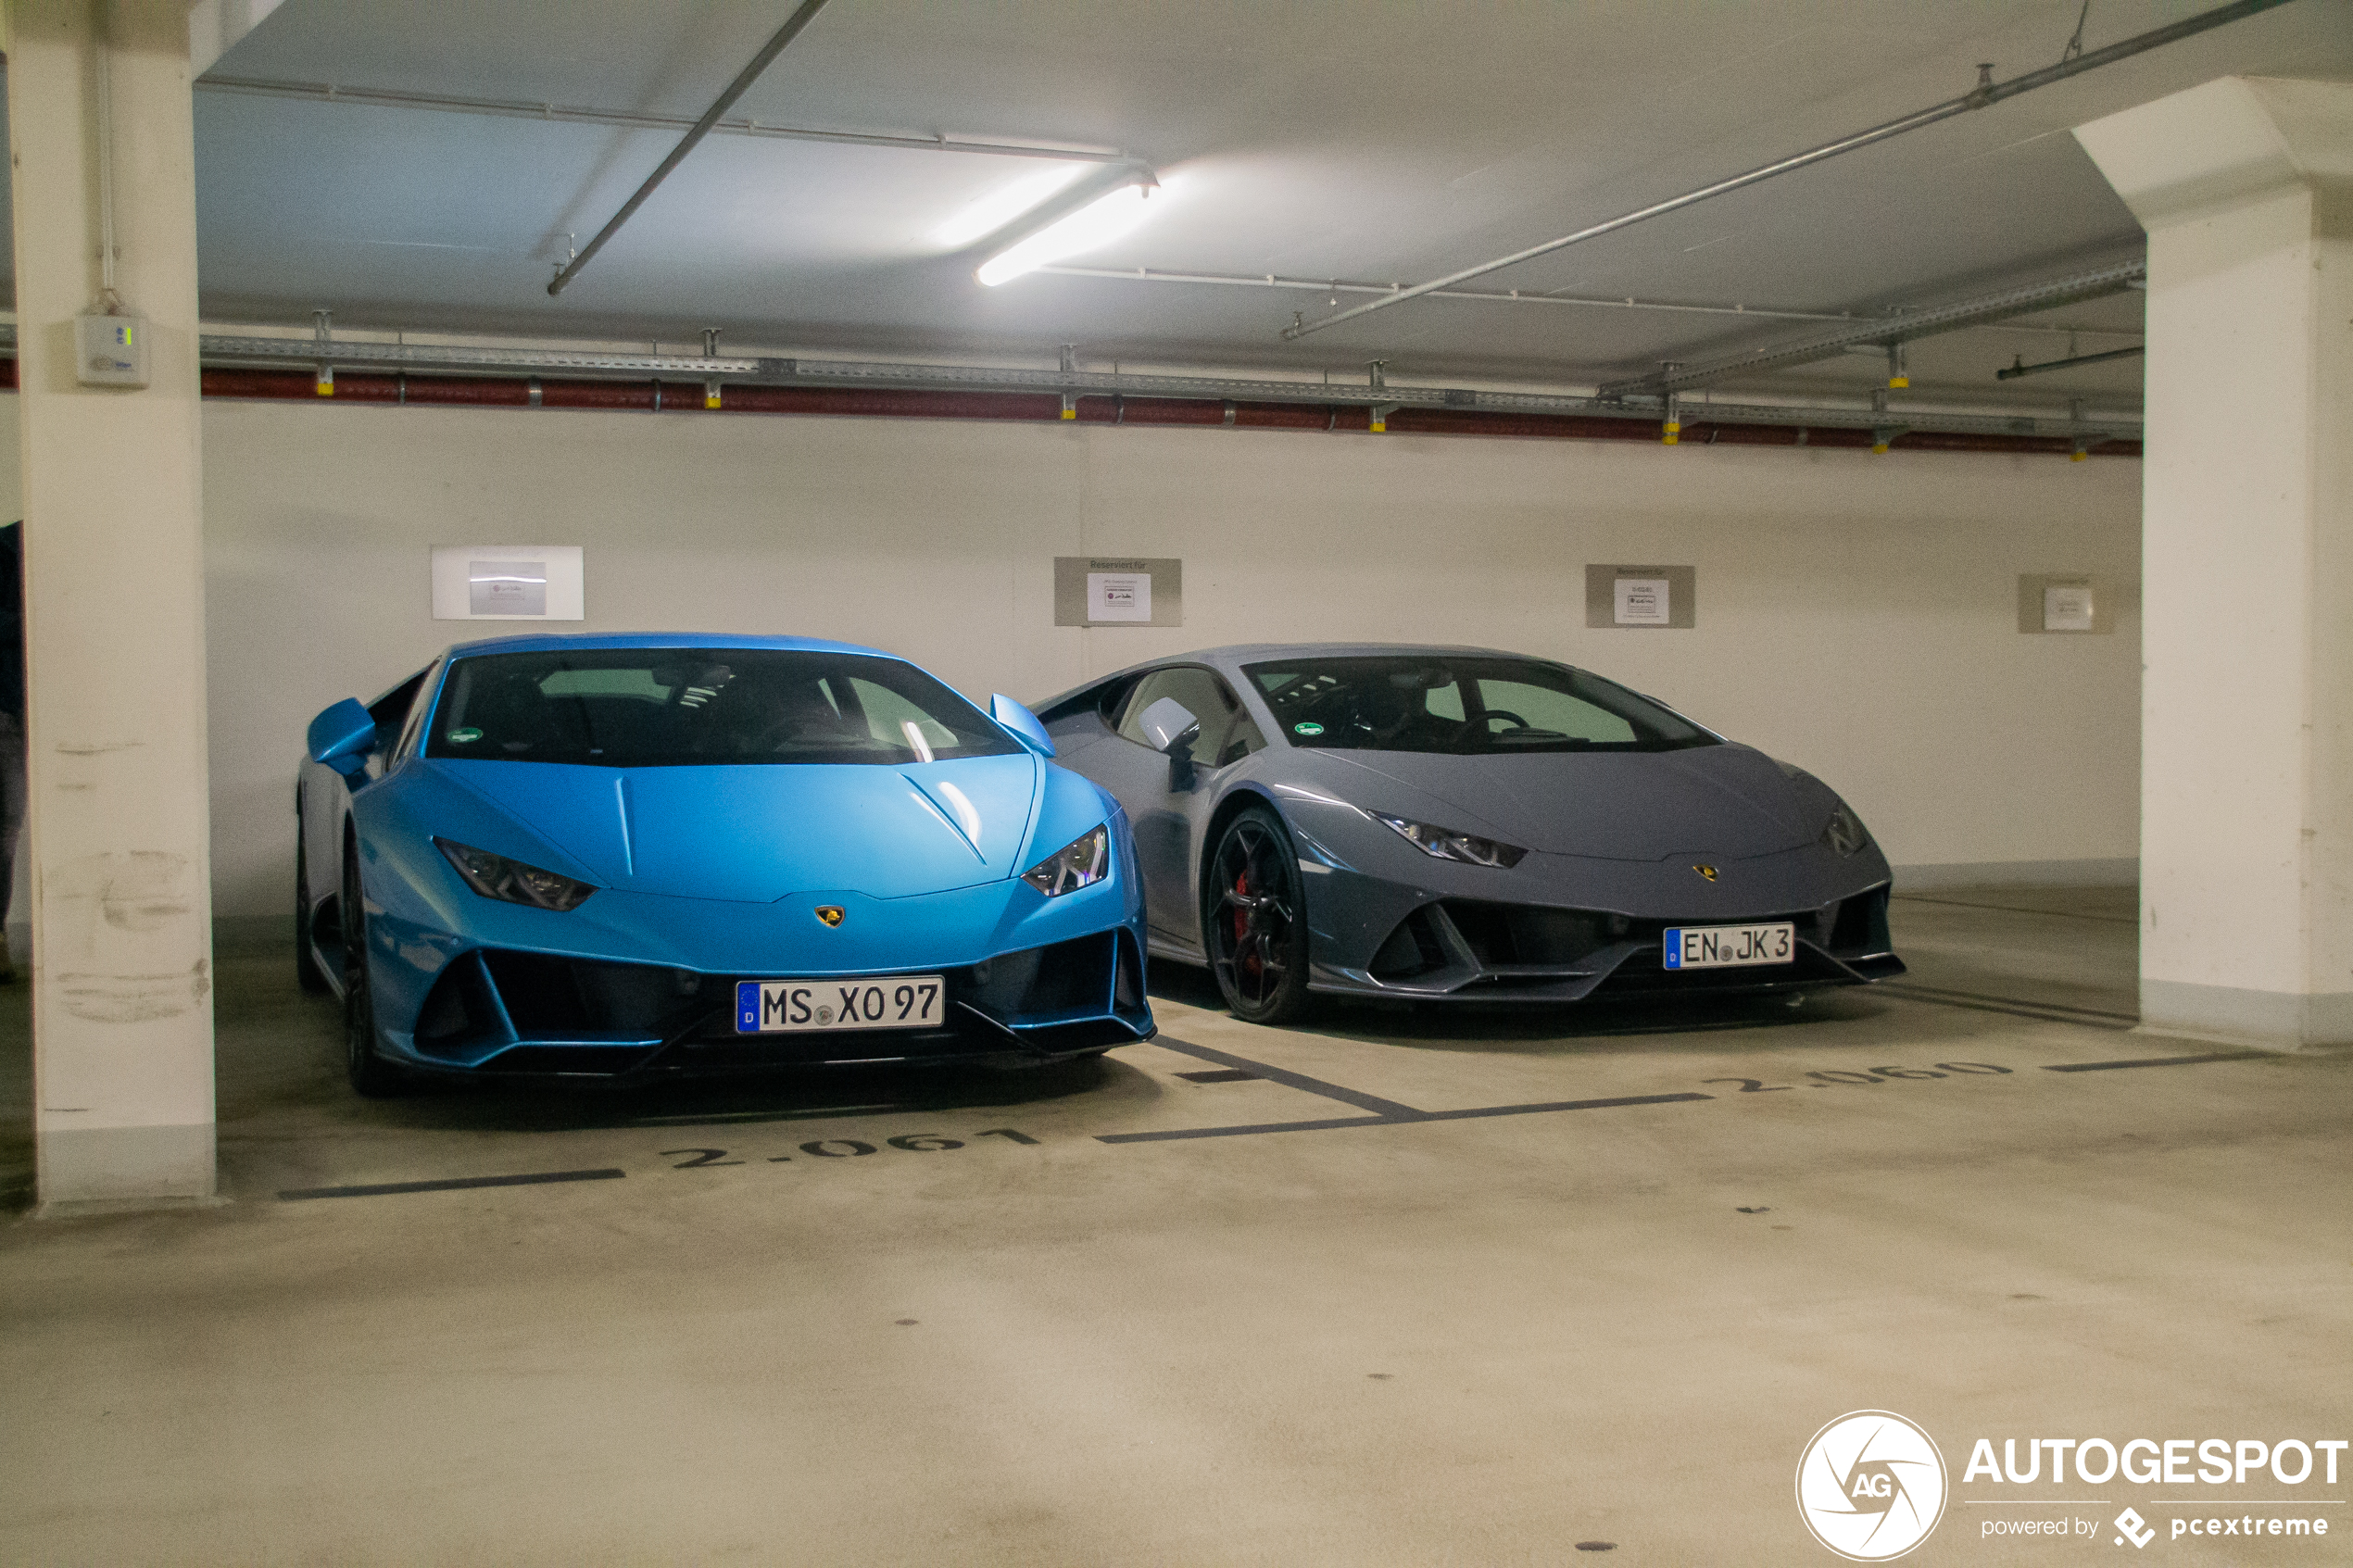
pixel 1494 713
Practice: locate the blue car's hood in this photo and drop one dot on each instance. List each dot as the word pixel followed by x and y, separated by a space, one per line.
pixel 761 833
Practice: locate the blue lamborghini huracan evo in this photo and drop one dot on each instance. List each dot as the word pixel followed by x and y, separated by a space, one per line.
pixel 622 856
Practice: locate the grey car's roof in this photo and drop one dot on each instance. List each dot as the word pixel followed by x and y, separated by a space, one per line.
pixel 1238 654
pixel 1241 653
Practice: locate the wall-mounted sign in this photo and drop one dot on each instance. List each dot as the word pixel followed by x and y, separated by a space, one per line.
pixel 2074 603
pixel 2066 607
pixel 1641 596
pixel 509 583
pixel 1119 595
pixel 1119 591
pixel 1641 601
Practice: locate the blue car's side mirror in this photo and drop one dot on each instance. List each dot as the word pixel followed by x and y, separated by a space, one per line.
pixel 1021 723
pixel 342 737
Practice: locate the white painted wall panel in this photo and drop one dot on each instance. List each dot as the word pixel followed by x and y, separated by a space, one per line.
pixel 1857 613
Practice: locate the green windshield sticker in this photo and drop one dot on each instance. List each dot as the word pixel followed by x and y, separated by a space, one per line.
pixel 1307 729
pixel 466 736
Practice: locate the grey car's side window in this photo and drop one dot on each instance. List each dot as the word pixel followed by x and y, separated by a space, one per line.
pixel 1228 732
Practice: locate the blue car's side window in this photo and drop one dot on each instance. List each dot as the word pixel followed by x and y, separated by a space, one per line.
pixel 406 746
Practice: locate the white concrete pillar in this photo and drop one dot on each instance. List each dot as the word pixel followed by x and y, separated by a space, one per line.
pixel 2245 188
pixel 114 612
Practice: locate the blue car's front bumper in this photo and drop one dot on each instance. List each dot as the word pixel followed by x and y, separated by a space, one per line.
pixel 640 984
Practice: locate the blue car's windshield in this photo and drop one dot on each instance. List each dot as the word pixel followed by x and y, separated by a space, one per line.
pixel 656 707
pixel 1463 703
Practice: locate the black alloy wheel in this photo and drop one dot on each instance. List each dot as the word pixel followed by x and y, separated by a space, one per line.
pixel 308 974
pixel 1254 920
pixel 371 1073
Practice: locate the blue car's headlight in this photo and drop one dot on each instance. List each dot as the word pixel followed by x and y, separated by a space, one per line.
pixel 512 881
pixel 1082 863
pixel 1445 844
pixel 1844 832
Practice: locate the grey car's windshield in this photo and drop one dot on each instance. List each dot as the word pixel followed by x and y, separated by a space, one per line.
pixel 1462 704
pixel 651 707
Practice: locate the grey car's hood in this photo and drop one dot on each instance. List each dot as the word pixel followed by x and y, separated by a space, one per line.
pixel 1724 800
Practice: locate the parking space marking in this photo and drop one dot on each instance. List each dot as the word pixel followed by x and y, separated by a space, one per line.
pixel 1561 1104
pixel 2151 1062
pixel 2013 1007
pixel 1176 1133
pixel 2016 909
pixel 1390 1113
pixel 379 1189
pixel 1388 1110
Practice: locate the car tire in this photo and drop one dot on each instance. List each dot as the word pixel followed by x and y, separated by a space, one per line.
pixel 371 1074
pixel 307 973
pixel 1254 919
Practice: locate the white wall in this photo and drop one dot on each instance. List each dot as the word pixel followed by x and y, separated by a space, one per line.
pixel 1857 613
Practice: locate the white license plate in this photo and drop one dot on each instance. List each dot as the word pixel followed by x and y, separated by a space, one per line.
pixel 900 1001
pixel 1730 947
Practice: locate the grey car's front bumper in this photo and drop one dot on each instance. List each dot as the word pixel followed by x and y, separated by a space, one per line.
pixel 1573 929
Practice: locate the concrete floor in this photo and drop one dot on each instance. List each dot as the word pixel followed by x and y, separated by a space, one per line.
pixel 1474 1339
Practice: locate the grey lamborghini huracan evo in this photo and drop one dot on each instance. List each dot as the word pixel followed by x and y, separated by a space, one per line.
pixel 1459 824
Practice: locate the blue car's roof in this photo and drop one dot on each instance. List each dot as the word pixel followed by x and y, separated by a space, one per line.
pixel 547 642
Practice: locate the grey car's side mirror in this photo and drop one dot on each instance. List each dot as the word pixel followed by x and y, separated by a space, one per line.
pixel 1169 726
pixel 342 737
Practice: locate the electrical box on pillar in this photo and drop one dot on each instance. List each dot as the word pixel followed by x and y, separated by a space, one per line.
pixel 110 350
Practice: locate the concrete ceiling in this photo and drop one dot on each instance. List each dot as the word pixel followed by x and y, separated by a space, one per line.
pixel 1319 138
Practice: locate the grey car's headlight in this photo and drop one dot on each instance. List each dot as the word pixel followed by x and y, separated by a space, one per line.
pixel 1844 832
pixel 513 882
pixel 1082 863
pixel 1445 844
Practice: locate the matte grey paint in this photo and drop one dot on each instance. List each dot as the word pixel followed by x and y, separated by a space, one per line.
pixel 1620 832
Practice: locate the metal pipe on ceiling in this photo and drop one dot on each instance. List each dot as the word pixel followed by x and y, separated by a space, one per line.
pixel 225 351
pixel 1714 424
pixel 2019 368
pixel 801 18
pixel 1517 297
pixel 1987 92
pixel 1887 332
pixel 1333 287
pixel 515 108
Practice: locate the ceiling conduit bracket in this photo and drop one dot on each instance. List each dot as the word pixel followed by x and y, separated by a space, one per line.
pixel 711 394
pixel 1884 435
pixel 2085 440
pixel 1898 375
pixel 1070 399
pixel 1670 430
pixel 322 332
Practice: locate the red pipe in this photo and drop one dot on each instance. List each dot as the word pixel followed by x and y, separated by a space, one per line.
pixel 1045 407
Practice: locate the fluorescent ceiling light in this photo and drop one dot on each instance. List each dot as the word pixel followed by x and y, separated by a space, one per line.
pixel 1081 221
pixel 997 209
